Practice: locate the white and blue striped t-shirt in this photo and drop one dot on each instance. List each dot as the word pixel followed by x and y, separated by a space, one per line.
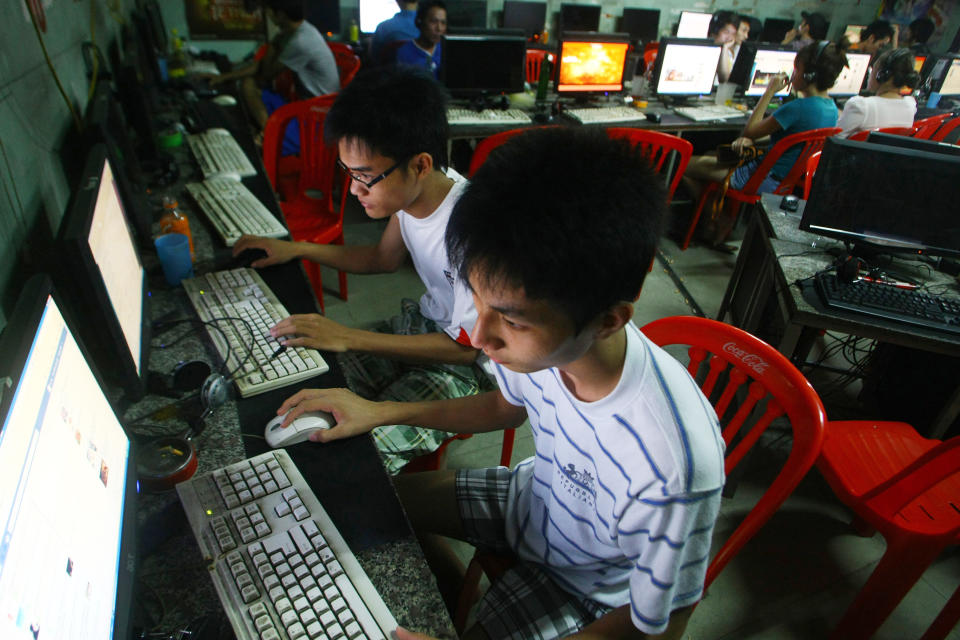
pixel 619 502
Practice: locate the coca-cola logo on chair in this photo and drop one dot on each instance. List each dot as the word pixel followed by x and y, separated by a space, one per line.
pixel 750 360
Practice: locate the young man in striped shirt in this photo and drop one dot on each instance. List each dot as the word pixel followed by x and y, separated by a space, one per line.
pixel 611 519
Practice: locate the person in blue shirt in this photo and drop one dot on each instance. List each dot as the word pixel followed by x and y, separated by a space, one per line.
pixel 424 51
pixel 402 26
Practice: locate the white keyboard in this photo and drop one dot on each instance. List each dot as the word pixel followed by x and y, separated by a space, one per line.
pixel 459 115
pixel 235 303
pixel 234 211
pixel 218 153
pixel 600 115
pixel 280 567
pixel 709 112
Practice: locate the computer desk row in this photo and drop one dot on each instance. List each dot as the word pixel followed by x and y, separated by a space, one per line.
pixel 347 476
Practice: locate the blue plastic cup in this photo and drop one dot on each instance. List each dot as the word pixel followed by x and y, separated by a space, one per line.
pixel 174 252
pixel 933 100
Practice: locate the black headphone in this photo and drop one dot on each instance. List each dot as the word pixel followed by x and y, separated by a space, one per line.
pixel 810 75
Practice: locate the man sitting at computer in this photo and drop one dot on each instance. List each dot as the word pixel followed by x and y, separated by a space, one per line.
pixel 917 34
pixel 299 48
pixel 424 50
pixel 813 28
pixel 402 26
pixel 723 30
pixel 875 38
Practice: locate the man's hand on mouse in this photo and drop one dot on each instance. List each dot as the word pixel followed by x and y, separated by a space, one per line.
pixel 314 331
pixel 278 251
pixel 354 415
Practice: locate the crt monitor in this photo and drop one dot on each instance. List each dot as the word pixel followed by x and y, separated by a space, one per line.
pixel 99 272
pixel 685 67
pixel 591 63
pixel 503 69
pixel 866 194
pixel 529 16
pixel 775 29
pixel 373 12
pixel 643 25
pixel 761 63
pixel 67 486
pixel 579 17
pixel 851 77
pixel 694 24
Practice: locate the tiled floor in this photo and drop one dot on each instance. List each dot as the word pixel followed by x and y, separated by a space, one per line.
pixel 794 580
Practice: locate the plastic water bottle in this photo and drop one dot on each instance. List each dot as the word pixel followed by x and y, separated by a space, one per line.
pixel 174 221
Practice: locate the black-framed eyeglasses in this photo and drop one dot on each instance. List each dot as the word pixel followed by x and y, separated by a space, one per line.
pixel 365 183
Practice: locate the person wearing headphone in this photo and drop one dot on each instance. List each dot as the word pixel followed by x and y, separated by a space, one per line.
pixel 815 70
pixel 892 72
pixel 723 31
pixel 424 50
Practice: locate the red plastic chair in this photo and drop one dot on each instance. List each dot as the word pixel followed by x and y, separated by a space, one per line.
pixel 927 127
pixel 908 488
pixel 812 162
pixel 811 141
pixel 896 131
pixel 659 147
pixel 535 58
pixel 348 64
pixel 488 144
pixel 650 54
pixel 946 129
pixel 729 364
pixel 307 197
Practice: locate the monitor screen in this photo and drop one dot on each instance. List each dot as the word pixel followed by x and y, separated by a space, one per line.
pixel 373 12
pixel 853 31
pixel 476 64
pixel 775 30
pixel 67 487
pixel 767 63
pixel 851 77
pixel 467 13
pixel 694 24
pixel 591 63
pixel 951 80
pixel 866 193
pixel 641 24
pixel 579 17
pixel 529 16
pixel 918 63
pixel 685 67
pixel 101 277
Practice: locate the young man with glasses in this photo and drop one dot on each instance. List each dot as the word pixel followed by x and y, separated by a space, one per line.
pixel 390 127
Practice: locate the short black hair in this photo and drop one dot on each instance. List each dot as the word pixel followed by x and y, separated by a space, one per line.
pixel 879 29
pixel 826 63
pixel 396 111
pixel 921 29
pixel 721 19
pixel 292 8
pixel 567 215
pixel 423 8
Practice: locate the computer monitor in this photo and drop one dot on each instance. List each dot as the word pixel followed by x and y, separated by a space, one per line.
pixel 694 24
pixel 475 64
pixel 529 16
pixel 579 17
pixel 685 67
pixel 373 12
pixel 851 77
pixel 852 32
pixel 909 142
pixel 775 29
pixel 950 84
pixel 591 63
pixel 325 16
pixel 102 280
pixel 865 194
pixel 151 11
pixel 147 52
pixel 467 13
pixel 67 486
pixel 760 64
pixel 643 25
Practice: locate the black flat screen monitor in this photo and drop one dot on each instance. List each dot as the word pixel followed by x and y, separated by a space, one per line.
pixel 373 12
pixel 949 78
pixel 909 142
pixel 147 52
pixel 685 67
pixel 529 16
pixel 866 194
pixel 475 64
pixel 694 24
pixel 325 16
pixel 579 17
pixel 643 25
pixel 151 11
pixel 67 486
pixel 757 64
pixel 467 13
pixel 775 29
pixel 102 280
pixel 592 63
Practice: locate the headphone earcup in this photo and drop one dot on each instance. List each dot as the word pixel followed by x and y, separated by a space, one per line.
pixel 215 391
pixel 849 269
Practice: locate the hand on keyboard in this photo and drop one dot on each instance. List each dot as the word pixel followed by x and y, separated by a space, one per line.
pixel 278 251
pixel 354 415
pixel 314 331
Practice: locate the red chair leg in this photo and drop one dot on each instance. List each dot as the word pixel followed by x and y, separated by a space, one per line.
pixel 469 592
pixel 947 619
pixel 902 565
pixel 710 188
pixel 507 451
pixel 343 285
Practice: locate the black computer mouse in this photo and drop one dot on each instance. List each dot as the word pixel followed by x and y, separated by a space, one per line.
pixel 246 257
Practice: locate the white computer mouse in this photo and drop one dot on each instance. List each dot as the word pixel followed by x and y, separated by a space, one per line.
pixel 297 431
pixel 225 100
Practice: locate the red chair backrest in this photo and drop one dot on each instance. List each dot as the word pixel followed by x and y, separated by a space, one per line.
pixel 658 146
pixel 896 131
pixel 535 58
pixel 945 129
pixel 348 64
pixel 488 144
pixel 650 54
pixel 340 48
pixel 812 163
pixel 927 127
pixel 812 142
pixel 730 364
pixel 317 160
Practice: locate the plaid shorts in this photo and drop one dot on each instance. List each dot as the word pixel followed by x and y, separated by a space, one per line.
pixel 524 604
pixel 377 378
